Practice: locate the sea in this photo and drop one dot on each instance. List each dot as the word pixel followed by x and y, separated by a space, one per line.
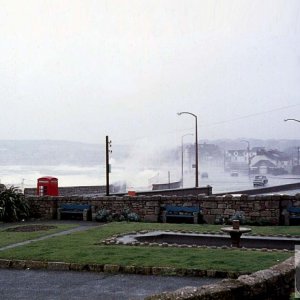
pixel 25 176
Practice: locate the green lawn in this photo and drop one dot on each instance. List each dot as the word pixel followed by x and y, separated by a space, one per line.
pixel 7 238
pixel 82 247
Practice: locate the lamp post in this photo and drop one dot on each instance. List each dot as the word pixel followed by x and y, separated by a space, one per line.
pixel 248 154
pixel 298 147
pixel 196 145
pixel 292 120
pixel 182 157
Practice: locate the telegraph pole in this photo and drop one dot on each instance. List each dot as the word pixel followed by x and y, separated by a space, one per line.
pixel 107 151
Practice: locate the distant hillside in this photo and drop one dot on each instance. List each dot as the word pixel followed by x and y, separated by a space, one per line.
pixel 52 152
pixel 280 144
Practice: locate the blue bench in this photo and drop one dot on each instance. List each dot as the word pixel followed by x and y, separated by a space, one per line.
pixel 75 210
pixel 182 213
pixel 291 214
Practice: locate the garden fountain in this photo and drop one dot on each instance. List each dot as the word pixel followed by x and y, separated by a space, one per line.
pixel 236 232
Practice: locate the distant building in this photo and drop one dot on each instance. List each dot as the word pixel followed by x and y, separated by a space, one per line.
pixel 237 160
pixel 270 161
pixel 258 160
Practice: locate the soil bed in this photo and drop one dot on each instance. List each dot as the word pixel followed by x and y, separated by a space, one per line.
pixel 30 228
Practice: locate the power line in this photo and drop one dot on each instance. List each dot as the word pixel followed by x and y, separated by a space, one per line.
pixel 255 114
pixel 212 124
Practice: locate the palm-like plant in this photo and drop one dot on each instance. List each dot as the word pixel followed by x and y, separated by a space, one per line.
pixel 13 205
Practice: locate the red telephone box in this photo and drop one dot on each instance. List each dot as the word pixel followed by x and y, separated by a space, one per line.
pixel 47 186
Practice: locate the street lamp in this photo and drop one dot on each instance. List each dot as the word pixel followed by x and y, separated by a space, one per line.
pixel 248 153
pixel 182 157
pixel 295 121
pixel 196 145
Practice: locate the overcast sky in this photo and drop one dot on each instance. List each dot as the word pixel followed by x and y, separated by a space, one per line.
pixel 80 70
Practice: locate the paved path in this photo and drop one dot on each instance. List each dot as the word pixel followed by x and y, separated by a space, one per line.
pixel 50 285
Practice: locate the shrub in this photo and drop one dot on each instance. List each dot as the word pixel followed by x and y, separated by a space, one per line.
pixel 104 215
pixel 13 205
pixel 240 216
pixel 133 217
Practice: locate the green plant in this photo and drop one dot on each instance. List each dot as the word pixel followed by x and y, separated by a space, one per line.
pixel 104 215
pixel 133 217
pixel 13 205
pixel 238 215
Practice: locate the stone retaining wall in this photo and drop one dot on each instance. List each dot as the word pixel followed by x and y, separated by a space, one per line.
pixel 256 208
pixel 270 284
pixel 114 268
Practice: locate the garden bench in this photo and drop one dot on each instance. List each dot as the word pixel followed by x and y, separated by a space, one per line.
pixel 182 213
pixel 291 214
pixel 75 210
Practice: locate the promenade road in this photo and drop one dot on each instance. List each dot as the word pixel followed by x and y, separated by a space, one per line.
pixel 53 285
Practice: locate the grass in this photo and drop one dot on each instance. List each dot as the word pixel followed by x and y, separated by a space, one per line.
pixel 7 238
pixel 82 247
pixel 275 230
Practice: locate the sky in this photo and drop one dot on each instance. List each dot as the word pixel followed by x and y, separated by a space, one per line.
pixel 79 70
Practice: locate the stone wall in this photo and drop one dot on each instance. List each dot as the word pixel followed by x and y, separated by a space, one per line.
pixel 256 208
pixel 275 283
pixel 75 190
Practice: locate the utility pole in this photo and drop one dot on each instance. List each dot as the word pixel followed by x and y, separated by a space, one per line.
pixel 108 145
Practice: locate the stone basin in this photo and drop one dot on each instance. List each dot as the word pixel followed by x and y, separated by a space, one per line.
pixel 219 240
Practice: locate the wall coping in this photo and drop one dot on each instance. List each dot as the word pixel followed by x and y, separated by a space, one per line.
pixel 254 286
pixel 274 197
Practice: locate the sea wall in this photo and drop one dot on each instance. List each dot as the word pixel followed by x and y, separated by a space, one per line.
pixel 116 190
pixel 75 190
pixel 260 209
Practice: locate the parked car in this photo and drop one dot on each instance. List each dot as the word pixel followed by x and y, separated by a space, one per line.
pixel 204 175
pixel 260 180
pixel 234 173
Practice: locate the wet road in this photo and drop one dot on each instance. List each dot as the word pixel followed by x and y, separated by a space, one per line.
pixel 50 285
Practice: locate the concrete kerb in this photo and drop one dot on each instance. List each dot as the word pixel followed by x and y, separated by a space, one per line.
pixel 114 268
